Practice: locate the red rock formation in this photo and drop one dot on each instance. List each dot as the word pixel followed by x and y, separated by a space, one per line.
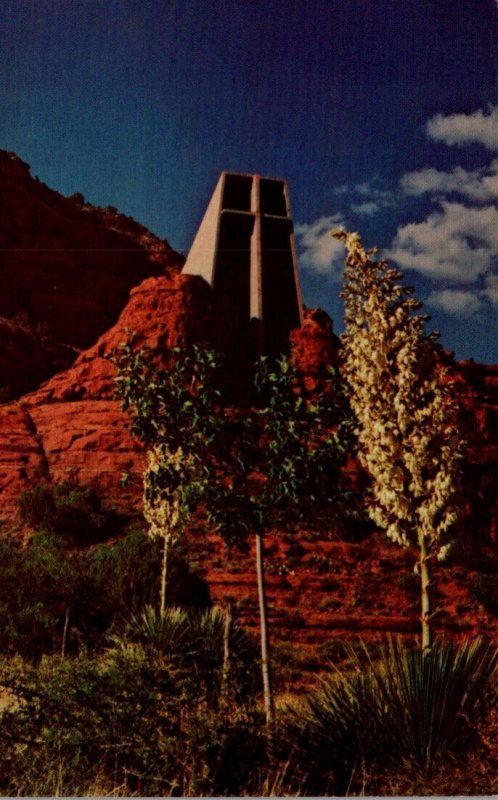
pixel 71 427
pixel 319 586
pixel 66 271
pixel 477 387
pixel 73 419
pixel 314 348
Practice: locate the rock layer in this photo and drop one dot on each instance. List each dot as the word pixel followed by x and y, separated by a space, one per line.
pixel 318 587
pixel 67 269
pixel 71 427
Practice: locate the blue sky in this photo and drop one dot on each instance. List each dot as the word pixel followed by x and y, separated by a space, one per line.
pixel 381 114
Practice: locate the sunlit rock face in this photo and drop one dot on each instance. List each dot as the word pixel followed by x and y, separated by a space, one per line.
pixel 71 426
pixel 66 271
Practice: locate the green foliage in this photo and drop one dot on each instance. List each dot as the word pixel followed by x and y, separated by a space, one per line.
pixel 173 412
pixel 128 571
pixel 166 633
pixel 484 589
pixel 404 710
pixel 124 723
pixel 37 507
pixel 71 512
pixel 282 457
pixel 253 467
pixel 173 408
pixel 36 588
pixel 305 440
pixel 193 641
pixel 243 676
pixel 42 583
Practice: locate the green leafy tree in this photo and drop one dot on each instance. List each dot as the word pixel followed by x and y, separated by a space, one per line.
pixel 407 420
pixel 283 466
pixel 271 463
pixel 174 414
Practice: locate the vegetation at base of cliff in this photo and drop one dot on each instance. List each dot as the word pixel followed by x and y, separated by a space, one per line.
pixel 55 597
pixel 115 697
pixel 168 701
pixel 401 709
pixel 148 720
pixel 247 471
pixel 100 693
pixel 72 513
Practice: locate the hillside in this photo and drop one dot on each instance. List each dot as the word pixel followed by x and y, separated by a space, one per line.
pixel 321 583
pixel 67 269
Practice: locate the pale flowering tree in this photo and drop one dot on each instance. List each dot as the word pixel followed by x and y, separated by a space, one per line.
pixel 173 404
pixel 271 463
pixel 407 420
pixel 166 503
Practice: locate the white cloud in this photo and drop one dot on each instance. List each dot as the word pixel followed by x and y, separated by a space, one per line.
pixel 367 208
pixel 319 251
pixel 480 185
pixel 462 129
pixel 456 244
pixel 370 197
pixel 374 193
pixel 490 291
pixel 462 303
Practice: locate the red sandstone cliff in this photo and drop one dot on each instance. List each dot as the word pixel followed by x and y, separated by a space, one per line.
pixel 319 585
pixel 66 272
pixel 71 427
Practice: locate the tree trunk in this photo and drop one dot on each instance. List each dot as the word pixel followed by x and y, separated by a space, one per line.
pixel 424 594
pixel 227 636
pixel 164 574
pixel 265 663
pixel 65 633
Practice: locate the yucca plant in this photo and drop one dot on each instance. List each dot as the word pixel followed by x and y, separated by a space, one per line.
pixel 208 634
pixel 208 628
pixel 167 633
pixel 406 709
pixel 195 641
pixel 437 698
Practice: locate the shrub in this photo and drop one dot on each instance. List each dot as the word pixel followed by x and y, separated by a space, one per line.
pixel 48 594
pixel 194 641
pixel 37 507
pixel 72 512
pixel 124 722
pixel 484 589
pixel 406 708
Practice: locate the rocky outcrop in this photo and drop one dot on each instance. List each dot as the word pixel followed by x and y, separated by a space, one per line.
pixel 71 427
pixel 477 388
pixel 74 423
pixel 66 272
pixel 318 585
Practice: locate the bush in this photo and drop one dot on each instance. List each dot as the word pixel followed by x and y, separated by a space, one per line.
pixel 71 512
pixel 36 507
pixel 124 723
pixel 403 709
pixel 484 589
pixel 52 599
